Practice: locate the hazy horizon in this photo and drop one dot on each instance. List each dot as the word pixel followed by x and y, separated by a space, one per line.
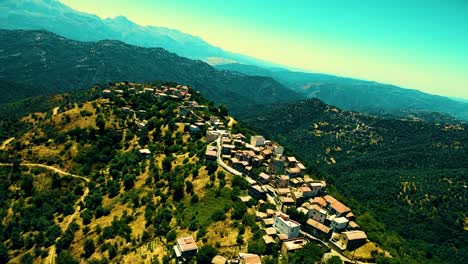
pixel 418 45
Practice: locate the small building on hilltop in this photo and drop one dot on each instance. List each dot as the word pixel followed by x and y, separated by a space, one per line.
pixel 186 247
pixel 145 153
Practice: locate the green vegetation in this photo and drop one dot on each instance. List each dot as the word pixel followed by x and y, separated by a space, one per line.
pixel 406 179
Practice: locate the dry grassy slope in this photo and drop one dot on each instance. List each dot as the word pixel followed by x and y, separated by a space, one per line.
pixel 56 154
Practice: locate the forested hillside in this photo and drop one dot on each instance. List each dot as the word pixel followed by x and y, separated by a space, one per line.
pixel 408 175
pixel 74 184
pixel 39 62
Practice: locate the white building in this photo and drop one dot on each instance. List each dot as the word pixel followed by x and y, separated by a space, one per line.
pixel 286 226
pixel 339 224
pixel 257 141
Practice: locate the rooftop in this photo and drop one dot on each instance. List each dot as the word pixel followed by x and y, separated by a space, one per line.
pixel 187 244
pixel 319 226
pixel 355 235
pixel 336 205
pixel 295 244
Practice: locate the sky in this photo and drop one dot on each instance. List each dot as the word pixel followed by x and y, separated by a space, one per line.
pixel 414 44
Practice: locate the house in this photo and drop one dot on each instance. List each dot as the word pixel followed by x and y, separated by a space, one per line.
pixel 211 135
pixel 353 225
pixel 257 192
pixel 227 149
pixel 316 188
pixel 317 213
pixel 282 181
pixel 317 229
pixel 264 178
pixel 293 172
pixel 194 129
pixel 276 165
pixel 219 260
pixel 286 226
pixel 106 93
pixel 319 201
pixel 145 153
pixel 247 258
pixel 339 224
pixel 211 154
pixel 306 191
pixel 257 141
pixel 185 247
pixel 335 206
pixel 278 150
pixel 291 245
pixel 354 239
pixel 291 161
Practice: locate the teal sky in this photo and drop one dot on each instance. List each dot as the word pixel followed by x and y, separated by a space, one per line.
pixel 415 44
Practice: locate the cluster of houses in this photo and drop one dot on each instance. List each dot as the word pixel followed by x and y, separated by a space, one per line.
pixel 273 178
pixel 179 93
pixel 284 182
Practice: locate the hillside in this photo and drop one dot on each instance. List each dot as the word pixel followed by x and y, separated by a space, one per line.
pixel 121 173
pixel 48 63
pixel 108 201
pixel 407 174
pixel 53 16
pixel 357 95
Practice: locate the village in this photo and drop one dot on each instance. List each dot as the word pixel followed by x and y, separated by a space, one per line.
pixel 273 178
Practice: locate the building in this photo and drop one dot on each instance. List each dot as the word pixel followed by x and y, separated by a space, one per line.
pixel 286 226
pixel 317 213
pixel 247 258
pixel 339 224
pixel 291 245
pixel 194 129
pixel 264 178
pixel 354 239
pixel 211 135
pixel 317 229
pixel 186 247
pixel 257 141
pixel 146 153
pixel 336 206
pixel 211 154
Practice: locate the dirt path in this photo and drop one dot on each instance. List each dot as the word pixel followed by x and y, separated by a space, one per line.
pixel 55 110
pixel 6 142
pixel 52 251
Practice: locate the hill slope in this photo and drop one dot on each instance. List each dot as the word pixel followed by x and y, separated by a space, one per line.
pixel 56 17
pixel 357 95
pixel 48 62
pixel 410 175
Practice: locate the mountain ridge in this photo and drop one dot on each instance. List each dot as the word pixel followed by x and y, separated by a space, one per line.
pixel 59 64
pixel 357 95
pixel 54 16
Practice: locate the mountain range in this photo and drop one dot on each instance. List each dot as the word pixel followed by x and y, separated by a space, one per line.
pixel 345 93
pixel 39 62
pixel 56 17
pixel 357 95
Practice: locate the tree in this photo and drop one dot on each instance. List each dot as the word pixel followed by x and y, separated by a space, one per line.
pixel 257 246
pixel 171 236
pixel 3 253
pixel 334 260
pixel 167 164
pixel 206 254
pixel 100 122
pixel 64 257
pixel 88 248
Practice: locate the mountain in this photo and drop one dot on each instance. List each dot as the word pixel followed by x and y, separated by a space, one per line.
pixel 357 95
pixel 48 63
pixel 53 16
pixel 409 175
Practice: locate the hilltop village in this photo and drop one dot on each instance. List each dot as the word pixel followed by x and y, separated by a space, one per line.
pixel 276 181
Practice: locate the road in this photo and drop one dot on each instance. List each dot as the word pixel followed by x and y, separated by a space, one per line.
pixel 221 162
pixel 52 251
